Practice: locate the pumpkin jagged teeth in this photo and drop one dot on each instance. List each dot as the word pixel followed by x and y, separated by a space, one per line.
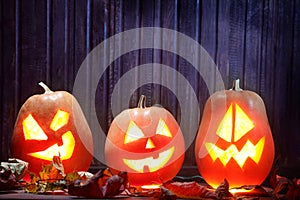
pixel 151 163
pixel 249 150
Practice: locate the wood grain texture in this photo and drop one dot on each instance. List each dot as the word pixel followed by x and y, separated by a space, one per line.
pixel 256 41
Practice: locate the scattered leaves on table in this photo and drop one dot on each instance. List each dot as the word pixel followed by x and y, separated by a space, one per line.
pixel 51 178
pixel 102 184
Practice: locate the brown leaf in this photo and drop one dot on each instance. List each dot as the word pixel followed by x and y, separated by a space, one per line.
pixel 7 179
pixel 87 188
pixel 102 184
pixel 190 190
pixel 251 190
pixel 115 185
pixel 283 186
pixel 223 190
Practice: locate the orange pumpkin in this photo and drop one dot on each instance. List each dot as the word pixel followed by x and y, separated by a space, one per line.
pixel 234 140
pixel 147 143
pixel 52 124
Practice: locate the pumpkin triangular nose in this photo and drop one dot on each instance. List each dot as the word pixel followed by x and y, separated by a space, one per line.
pixel 150 144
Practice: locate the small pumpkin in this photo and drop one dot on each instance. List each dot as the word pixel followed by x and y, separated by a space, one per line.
pixel 146 142
pixel 234 140
pixel 52 124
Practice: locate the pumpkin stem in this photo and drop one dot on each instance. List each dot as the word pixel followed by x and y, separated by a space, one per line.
pixel 142 102
pixel 236 85
pixel 45 87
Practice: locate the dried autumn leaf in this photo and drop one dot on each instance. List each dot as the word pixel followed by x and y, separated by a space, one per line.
pixel 18 167
pixel 50 173
pixel 115 184
pixel 7 179
pixel 57 163
pixel 102 184
pixel 190 190
pixel 87 188
pixel 251 190
pixel 106 174
pixel 223 190
pixel 73 176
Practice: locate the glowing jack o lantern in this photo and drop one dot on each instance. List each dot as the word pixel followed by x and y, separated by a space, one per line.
pixel 52 124
pixel 234 140
pixel 147 143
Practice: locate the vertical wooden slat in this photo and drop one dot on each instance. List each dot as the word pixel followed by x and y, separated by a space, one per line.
pixel 80 42
pixel 282 68
pixel 223 41
pixel 69 68
pixel 170 20
pixel 157 55
pixel 33 41
pixel 292 91
pixel 268 58
pixel 146 56
pixel 253 46
pixel 236 39
pixel 49 44
pixel 2 142
pixel 9 82
pixel 186 25
pixel 294 95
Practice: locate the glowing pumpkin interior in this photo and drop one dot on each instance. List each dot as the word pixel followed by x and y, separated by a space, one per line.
pixel 33 131
pixel 148 164
pixel 232 128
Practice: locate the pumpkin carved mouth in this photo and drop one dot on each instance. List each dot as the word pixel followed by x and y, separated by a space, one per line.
pixel 150 164
pixel 65 151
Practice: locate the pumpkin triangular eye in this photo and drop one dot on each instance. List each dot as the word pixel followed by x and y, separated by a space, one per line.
pixel 162 129
pixel 133 133
pixel 60 119
pixel 243 124
pixel 32 130
pixel 225 127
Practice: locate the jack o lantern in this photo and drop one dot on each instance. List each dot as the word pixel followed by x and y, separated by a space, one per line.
pixel 52 124
pixel 147 143
pixel 234 140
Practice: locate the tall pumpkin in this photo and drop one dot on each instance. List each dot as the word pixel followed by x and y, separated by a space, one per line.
pixel 147 143
pixel 52 124
pixel 234 140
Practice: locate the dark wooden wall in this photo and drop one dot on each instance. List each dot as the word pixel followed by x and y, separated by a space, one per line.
pixel 257 41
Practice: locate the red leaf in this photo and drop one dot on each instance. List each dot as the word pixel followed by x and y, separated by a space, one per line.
pixel 190 190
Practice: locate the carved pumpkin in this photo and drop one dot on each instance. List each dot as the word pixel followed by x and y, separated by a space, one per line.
pixel 147 143
pixel 234 140
pixel 52 124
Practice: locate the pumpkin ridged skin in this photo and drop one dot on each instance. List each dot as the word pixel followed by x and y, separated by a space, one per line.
pixel 146 119
pixel 214 172
pixel 43 108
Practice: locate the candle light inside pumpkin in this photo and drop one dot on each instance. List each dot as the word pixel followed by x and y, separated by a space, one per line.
pixel 147 143
pixel 52 124
pixel 234 141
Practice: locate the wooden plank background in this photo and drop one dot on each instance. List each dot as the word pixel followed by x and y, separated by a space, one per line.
pixel 257 41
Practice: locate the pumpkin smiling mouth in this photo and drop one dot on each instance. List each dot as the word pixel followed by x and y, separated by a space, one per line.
pixel 150 164
pixel 65 151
